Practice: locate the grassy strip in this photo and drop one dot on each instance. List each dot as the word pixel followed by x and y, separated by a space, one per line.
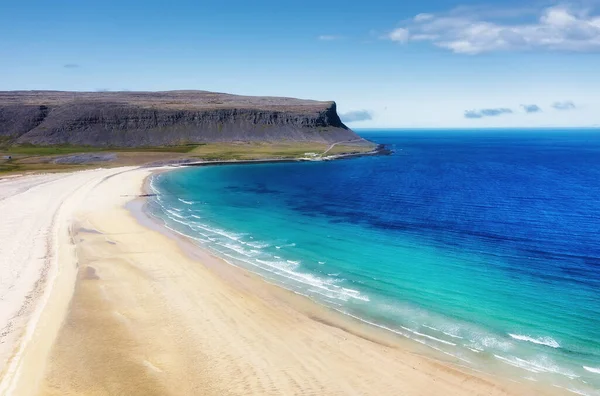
pixel 70 149
pixel 245 151
pixel 30 158
pixel 249 151
pixel 14 166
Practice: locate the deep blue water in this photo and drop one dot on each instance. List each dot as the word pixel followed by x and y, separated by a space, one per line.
pixel 483 245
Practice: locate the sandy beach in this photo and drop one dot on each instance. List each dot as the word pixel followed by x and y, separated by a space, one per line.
pixel 97 300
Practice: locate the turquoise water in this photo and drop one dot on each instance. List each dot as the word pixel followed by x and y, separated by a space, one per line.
pixel 483 246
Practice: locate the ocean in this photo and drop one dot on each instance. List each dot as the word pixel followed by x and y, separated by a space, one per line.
pixel 484 245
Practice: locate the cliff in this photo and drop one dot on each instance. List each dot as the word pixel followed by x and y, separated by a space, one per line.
pixel 134 119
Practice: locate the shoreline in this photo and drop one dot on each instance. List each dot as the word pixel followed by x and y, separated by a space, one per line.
pixel 305 305
pixel 380 149
pixel 151 313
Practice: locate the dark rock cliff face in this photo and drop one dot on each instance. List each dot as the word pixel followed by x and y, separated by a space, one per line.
pixel 133 119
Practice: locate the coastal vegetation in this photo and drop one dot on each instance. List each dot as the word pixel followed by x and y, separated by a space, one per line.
pixel 56 158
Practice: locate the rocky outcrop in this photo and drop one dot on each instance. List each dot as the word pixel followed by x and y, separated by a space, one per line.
pixel 135 119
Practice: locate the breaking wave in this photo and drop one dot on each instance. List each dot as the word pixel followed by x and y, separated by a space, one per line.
pixel 547 341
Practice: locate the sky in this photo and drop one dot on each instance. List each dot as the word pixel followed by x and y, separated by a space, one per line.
pixel 419 64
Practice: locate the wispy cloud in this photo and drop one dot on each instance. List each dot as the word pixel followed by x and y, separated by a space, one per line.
pixel 532 108
pixel 477 30
pixel 400 35
pixel 487 112
pixel 357 115
pixel 71 66
pixel 329 37
pixel 566 105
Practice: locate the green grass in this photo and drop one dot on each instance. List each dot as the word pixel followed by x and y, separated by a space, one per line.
pixel 25 157
pixel 46 150
pixel 33 158
pixel 28 149
pixel 258 151
pixel 6 167
pixel 13 166
pixel 29 168
pixel 247 151
pixel 349 149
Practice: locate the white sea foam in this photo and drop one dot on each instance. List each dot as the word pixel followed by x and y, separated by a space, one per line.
pixel 452 335
pixel 540 365
pixel 199 230
pixel 515 363
pixel 325 287
pixel 275 264
pixel 196 217
pixel 491 342
pixel 548 341
pixel 229 235
pixel 294 287
pixel 186 202
pixel 592 369
pixel 238 249
pixel 396 331
pixel 576 391
pixel 428 336
pixel 185 235
pixel 258 245
pixel 321 262
pixel 444 332
pixel 172 213
pixel 152 187
pixel 287 245
pixel 180 222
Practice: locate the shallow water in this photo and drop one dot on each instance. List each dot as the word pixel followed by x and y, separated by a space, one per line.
pixel 482 245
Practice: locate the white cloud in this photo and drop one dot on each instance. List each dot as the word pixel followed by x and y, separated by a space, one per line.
pixel 327 37
pixel 558 28
pixel 400 35
pixel 356 115
pixel 487 112
pixel 423 17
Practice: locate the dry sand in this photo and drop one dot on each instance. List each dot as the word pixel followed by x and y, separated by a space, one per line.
pixel 37 268
pixel 151 315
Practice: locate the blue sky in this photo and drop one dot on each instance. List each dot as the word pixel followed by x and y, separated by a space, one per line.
pixel 436 63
